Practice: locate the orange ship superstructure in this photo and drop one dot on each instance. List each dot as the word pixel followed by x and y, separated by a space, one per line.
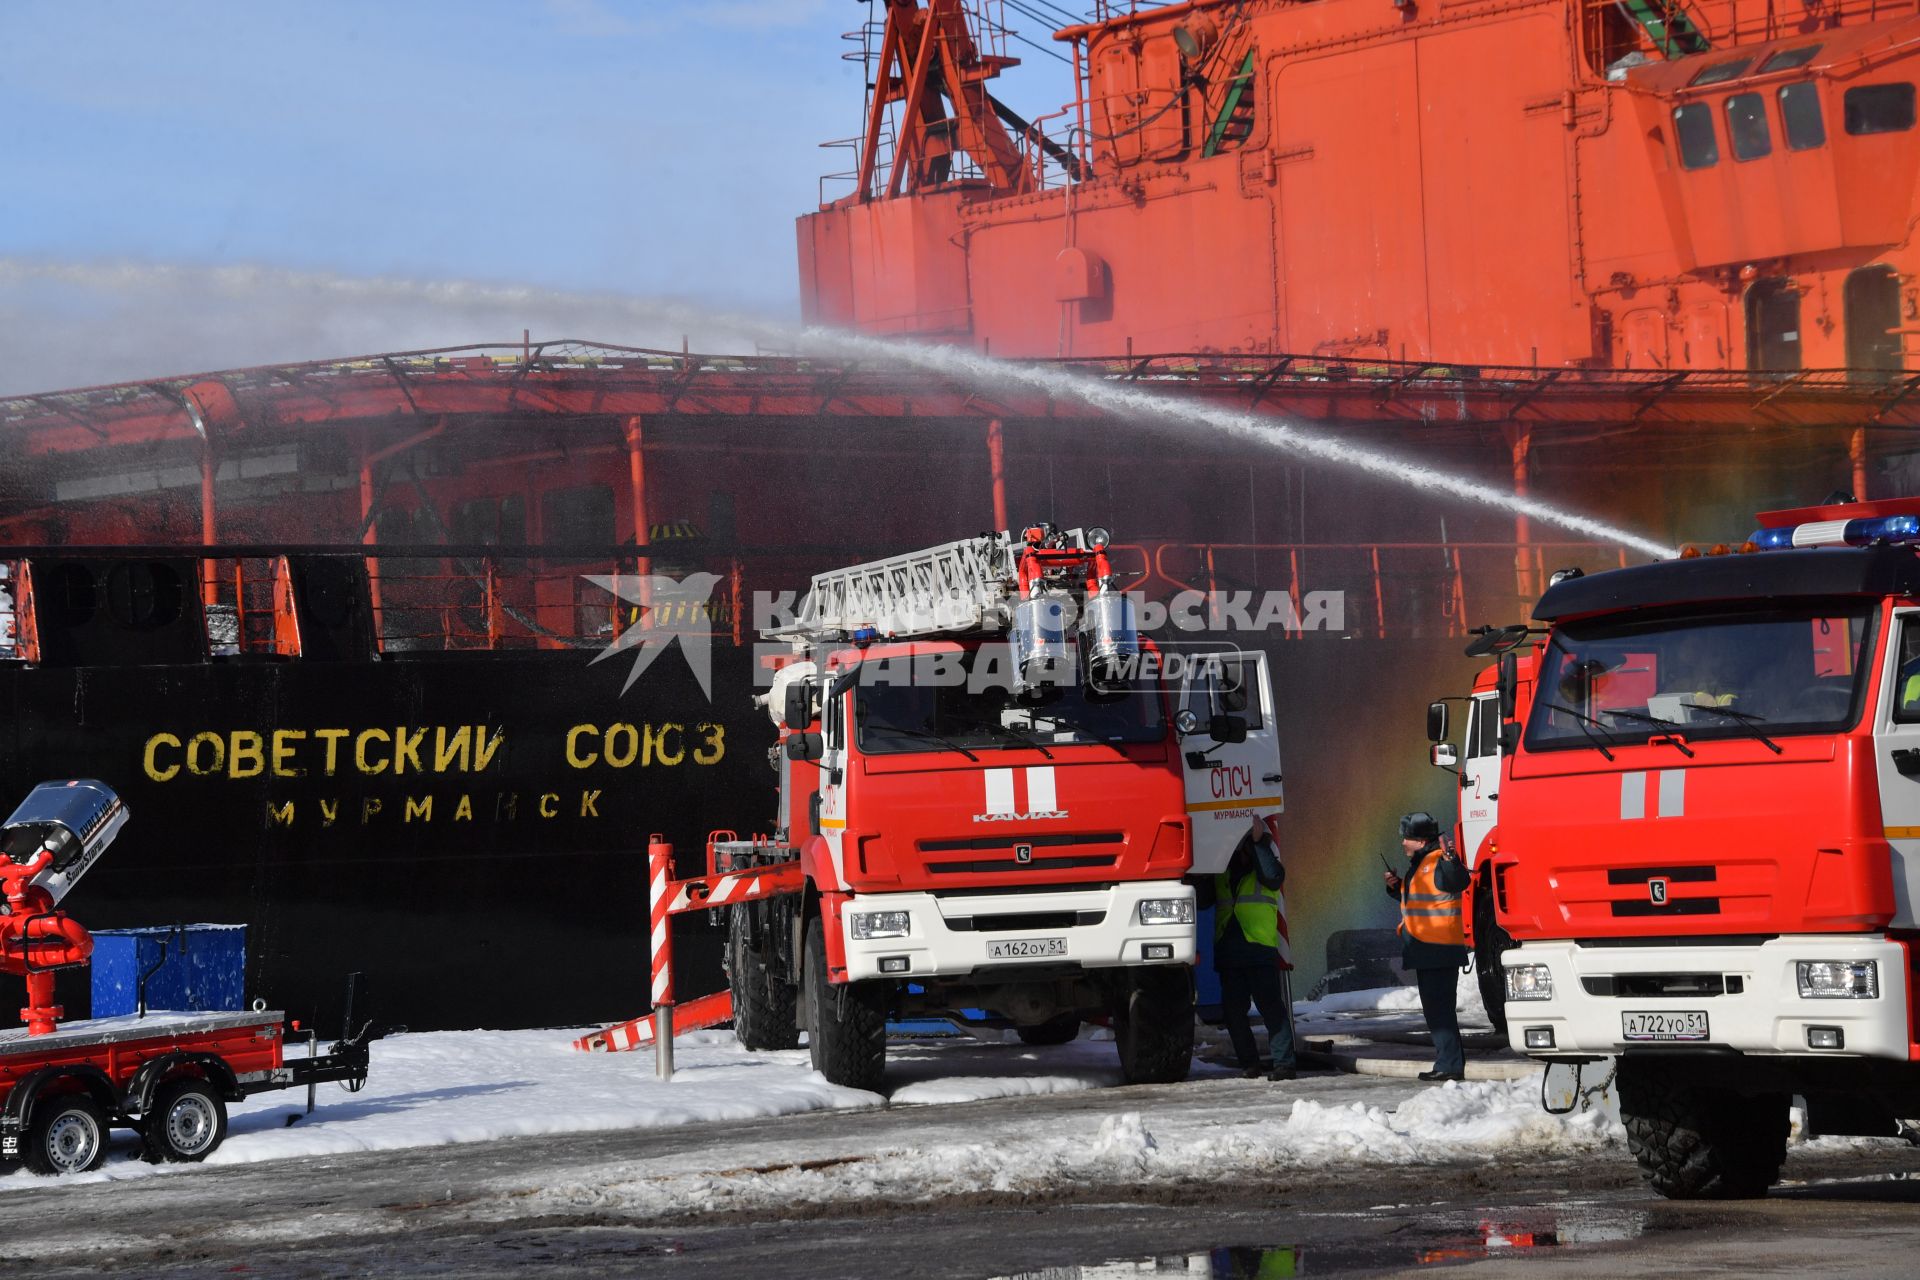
pixel 1632 184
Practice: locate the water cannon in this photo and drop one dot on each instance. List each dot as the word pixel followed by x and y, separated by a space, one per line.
pixel 58 832
pixel 70 823
pixel 1064 578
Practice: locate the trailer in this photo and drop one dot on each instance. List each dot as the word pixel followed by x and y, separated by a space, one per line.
pixel 168 1076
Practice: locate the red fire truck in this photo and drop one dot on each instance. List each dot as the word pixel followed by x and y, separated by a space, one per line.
pixel 1708 846
pixel 1476 765
pixel 167 1076
pixel 996 790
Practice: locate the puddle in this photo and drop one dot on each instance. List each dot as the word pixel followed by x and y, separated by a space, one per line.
pixel 1413 1244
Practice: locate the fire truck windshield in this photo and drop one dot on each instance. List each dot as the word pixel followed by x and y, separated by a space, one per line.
pixel 961 705
pixel 1763 672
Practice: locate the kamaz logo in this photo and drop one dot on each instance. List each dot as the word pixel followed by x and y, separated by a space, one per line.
pixel 1020 817
pixel 1657 891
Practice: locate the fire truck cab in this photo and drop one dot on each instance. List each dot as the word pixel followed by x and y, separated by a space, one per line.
pixel 1709 841
pixel 1002 823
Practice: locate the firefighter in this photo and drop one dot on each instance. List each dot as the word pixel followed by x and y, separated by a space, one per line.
pixel 1248 948
pixel 1436 938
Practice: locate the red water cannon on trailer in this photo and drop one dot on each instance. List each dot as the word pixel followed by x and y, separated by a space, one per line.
pixel 53 838
pixel 1708 849
pixel 168 1076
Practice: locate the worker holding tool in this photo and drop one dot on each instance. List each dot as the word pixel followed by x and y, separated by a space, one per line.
pixel 1436 939
pixel 1250 948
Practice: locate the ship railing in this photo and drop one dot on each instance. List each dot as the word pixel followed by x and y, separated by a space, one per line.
pixel 1374 590
pixel 1722 24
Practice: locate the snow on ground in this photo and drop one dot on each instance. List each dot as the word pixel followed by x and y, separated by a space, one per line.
pixel 1449 1124
pixel 443 1087
pixel 1393 1000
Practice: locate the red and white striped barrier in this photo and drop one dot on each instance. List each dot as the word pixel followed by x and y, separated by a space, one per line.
pixel 666 898
pixel 638 1033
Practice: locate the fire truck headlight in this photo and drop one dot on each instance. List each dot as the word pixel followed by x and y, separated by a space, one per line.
pixel 1839 979
pixel 1166 911
pixel 880 924
pixel 1529 982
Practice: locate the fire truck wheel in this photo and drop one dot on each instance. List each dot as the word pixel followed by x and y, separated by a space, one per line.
pixel 1055 1030
pixel 847 1038
pixel 1153 1026
pixel 1695 1142
pixel 186 1122
pixel 763 1004
pixel 67 1134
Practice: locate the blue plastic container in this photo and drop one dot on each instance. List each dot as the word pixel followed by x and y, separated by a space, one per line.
pixel 205 968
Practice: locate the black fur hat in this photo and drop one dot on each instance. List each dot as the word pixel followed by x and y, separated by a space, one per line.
pixel 1419 826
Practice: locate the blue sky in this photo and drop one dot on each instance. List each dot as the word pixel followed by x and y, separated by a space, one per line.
pixel 659 146
pixel 641 148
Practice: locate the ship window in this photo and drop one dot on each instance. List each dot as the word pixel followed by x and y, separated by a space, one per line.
pixel 1879 108
pixel 578 517
pixel 1747 126
pixel 1721 72
pixel 1693 128
pixel 491 521
pixel 1800 113
pixel 1788 59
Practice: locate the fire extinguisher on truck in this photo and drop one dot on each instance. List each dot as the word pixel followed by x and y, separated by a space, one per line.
pixel 1708 850
pixel 996 790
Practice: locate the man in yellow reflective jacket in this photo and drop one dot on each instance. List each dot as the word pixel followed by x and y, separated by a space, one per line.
pixel 1247 942
pixel 1436 938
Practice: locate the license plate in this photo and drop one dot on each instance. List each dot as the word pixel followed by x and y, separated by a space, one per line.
pixel 1663 1026
pixel 1026 948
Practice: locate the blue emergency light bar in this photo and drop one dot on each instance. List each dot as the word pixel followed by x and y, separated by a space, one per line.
pixel 1839 533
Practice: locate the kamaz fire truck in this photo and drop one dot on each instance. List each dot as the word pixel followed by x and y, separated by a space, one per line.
pixel 997 790
pixel 1708 846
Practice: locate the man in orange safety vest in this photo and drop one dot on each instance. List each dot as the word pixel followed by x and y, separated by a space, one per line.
pixel 1436 938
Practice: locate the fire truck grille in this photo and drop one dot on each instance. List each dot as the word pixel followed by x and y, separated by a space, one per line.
pixel 994 865
pixel 1002 853
pixel 1671 907
pixel 1027 921
pixel 1643 985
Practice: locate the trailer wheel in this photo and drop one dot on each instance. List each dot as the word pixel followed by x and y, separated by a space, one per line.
pixel 1697 1142
pixel 846 1036
pixel 763 1003
pixel 67 1134
pixel 1153 1025
pixel 1055 1030
pixel 186 1122
pixel 1489 941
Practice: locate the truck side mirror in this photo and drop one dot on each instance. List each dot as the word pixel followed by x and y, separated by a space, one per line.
pixel 1443 755
pixel 1227 729
pixel 1436 722
pixel 797 713
pixel 807 747
pixel 1508 684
